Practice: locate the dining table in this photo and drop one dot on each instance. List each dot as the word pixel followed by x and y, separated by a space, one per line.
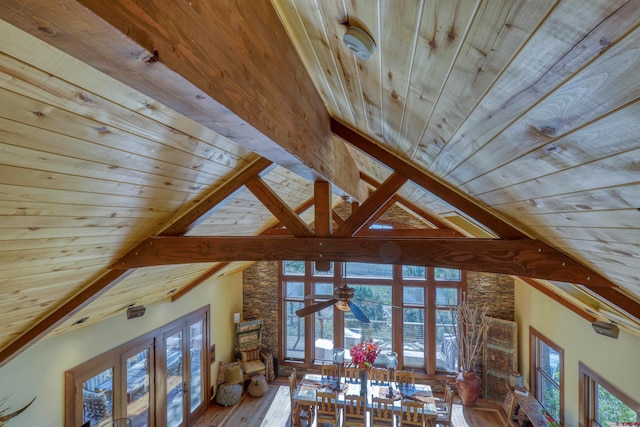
pixel 306 392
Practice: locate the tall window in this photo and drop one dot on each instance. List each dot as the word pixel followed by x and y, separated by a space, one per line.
pixel 408 307
pixel 547 374
pixel 603 404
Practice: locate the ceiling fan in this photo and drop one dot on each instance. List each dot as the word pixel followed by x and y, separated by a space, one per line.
pixel 342 296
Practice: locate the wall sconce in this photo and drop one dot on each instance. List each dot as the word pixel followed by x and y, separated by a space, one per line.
pixel 605 328
pixel 134 311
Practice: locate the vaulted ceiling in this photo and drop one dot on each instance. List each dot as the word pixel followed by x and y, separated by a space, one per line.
pixel 145 144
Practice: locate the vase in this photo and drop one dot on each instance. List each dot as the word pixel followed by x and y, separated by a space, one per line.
pixel 364 379
pixel 468 386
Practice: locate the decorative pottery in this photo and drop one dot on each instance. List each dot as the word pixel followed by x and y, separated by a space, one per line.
pixel 468 385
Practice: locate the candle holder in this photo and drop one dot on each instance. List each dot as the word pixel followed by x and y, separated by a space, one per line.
pixel 392 363
pixel 338 358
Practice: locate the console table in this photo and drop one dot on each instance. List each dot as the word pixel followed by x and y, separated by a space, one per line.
pixel 533 409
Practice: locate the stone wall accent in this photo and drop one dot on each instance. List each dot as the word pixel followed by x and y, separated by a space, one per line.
pixel 494 290
pixel 260 300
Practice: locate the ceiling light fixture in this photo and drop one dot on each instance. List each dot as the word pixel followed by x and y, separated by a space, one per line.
pixel 359 42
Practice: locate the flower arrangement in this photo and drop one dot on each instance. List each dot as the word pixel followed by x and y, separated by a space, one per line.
pixel 550 420
pixel 364 354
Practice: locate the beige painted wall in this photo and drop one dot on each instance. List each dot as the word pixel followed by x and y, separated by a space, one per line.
pixel 39 371
pixel 614 359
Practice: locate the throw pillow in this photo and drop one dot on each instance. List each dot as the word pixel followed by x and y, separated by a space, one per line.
pixel 233 375
pixel 222 368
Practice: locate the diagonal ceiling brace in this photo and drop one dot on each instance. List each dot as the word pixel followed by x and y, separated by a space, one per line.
pixel 376 201
pixel 278 207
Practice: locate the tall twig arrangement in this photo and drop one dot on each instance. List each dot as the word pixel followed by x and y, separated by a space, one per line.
pixel 473 323
pixel 4 417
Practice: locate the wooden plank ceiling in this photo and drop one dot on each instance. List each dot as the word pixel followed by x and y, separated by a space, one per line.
pixel 513 122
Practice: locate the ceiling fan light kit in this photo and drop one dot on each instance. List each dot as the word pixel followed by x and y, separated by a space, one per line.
pixel 343 305
pixel 359 42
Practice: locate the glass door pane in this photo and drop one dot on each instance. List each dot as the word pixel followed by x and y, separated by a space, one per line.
pixel 138 388
pixel 97 398
pixel 196 389
pixel 174 380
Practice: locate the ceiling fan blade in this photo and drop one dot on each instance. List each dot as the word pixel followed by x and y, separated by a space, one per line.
pixel 358 313
pixel 316 307
pixel 320 296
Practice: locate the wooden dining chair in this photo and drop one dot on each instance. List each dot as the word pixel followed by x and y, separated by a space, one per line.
pixel 327 410
pixel 354 411
pixel 330 371
pixel 405 378
pixel 443 403
pixel 351 374
pixel 445 409
pixel 379 376
pixel 299 411
pixel 382 412
pixel 412 414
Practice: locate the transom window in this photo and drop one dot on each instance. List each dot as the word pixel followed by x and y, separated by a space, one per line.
pixel 409 309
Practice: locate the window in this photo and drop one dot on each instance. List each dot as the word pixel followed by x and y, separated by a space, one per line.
pixel 409 309
pixel 547 374
pixel 603 404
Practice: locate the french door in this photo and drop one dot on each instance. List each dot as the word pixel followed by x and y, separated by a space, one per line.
pixel 184 372
pixel 159 379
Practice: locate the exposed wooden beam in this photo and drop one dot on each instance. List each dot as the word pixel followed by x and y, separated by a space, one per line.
pixel 185 290
pixel 371 206
pixel 63 313
pixel 278 207
pixel 217 66
pixel 205 207
pixel 557 298
pixel 426 181
pixel 335 216
pixel 426 216
pixel 525 257
pixel 322 216
pixel 376 216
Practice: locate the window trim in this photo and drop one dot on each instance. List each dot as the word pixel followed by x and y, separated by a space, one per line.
pixel 588 380
pixel 534 337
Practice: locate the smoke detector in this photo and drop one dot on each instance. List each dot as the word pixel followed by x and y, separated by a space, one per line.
pixel 359 42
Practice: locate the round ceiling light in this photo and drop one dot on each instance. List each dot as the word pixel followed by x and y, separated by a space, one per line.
pixel 359 42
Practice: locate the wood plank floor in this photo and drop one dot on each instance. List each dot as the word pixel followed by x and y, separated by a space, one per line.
pixel 273 409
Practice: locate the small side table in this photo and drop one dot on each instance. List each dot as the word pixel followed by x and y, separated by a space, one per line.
pixel 258 386
pixel 229 394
